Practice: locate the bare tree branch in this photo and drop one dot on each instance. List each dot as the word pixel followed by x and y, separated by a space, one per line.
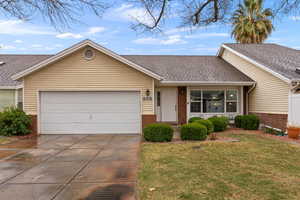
pixel 61 13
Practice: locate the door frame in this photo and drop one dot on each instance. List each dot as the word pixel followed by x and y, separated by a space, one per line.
pixel 140 91
pixel 160 109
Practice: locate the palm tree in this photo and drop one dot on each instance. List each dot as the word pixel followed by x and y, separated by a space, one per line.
pixel 252 23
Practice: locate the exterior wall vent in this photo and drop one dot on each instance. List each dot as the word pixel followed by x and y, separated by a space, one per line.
pixel 2 63
pixel 298 70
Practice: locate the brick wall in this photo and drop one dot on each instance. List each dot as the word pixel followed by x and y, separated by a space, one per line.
pixel 182 112
pixel 148 119
pixel 33 126
pixel 273 120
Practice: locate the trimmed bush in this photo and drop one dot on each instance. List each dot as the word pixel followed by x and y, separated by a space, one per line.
pixel 193 119
pixel 208 124
pixel 250 122
pixel 238 121
pixel 220 123
pixel 158 133
pixel 14 121
pixel 193 131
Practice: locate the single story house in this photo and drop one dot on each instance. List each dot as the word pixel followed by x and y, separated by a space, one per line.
pixel 90 89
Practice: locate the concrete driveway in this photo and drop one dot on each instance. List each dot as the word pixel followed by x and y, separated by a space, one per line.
pixel 64 167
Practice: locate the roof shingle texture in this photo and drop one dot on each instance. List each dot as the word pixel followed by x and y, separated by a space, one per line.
pixel 280 59
pixel 190 68
pixel 172 68
pixel 14 64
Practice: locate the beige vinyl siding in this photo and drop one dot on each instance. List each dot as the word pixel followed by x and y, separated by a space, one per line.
pixel 7 98
pixel 75 73
pixel 270 94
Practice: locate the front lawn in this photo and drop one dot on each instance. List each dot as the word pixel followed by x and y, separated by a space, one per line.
pixel 254 168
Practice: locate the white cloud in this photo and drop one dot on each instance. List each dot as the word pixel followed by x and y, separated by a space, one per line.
pixel 128 12
pixel 36 45
pixel 69 35
pixel 205 35
pixel 96 29
pixel 19 27
pixel 58 45
pixel 188 29
pixel 147 40
pixel 294 18
pixel 18 41
pixel 6 47
pixel 170 40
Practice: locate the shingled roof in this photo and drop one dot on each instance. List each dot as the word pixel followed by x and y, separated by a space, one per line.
pixel 280 59
pixel 190 68
pixel 12 64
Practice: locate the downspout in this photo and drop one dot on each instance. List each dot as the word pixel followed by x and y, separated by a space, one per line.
pixel 248 92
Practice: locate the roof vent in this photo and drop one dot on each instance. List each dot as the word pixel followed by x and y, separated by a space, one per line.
pixel 2 63
pixel 298 70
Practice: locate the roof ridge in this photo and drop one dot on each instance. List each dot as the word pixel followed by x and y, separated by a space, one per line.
pixel 26 54
pixel 171 55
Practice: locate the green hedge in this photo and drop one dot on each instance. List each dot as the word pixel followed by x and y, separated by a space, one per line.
pixel 220 123
pixel 14 121
pixel 158 133
pixel 250 122
pixel 193 131
pixel 193 119
pixel 208 124
pixel 238 121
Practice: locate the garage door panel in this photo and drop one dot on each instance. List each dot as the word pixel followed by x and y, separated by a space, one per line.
pixel 86 118
pixel 89 128
pixel 89 98
pixel 57 108
pixel 90 112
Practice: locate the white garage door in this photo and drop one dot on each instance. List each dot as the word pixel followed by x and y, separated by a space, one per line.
pixel 89 112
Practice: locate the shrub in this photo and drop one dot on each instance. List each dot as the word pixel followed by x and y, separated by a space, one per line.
pixel 193 131
pixel 220 123
pixel 238 121
pixel 14 121
pixel 208 124
pixel 158 133
pixel 193 119
pixel 250 122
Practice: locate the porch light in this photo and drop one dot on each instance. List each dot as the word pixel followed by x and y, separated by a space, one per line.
pixel 147 93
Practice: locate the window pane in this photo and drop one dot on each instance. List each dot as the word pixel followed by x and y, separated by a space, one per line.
pixel 196 95
pixel 158 98
pixel 231 107
pixel 195 106
pixel 213 101
pixel 231 95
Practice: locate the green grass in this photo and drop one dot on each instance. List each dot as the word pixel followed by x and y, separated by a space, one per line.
pixel 254 168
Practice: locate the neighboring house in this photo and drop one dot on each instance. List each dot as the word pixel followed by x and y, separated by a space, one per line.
pixel 90 89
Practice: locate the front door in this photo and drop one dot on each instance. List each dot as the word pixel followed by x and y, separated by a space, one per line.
pixel 168 104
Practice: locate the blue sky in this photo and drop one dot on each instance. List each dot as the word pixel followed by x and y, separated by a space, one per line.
pixel 113 31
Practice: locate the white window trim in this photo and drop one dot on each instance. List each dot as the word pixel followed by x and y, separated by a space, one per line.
pixel 225 101
pixel 237 101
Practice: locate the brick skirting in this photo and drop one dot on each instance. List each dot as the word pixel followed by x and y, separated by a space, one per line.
pixel 273 120
pixel 33 126
pixel 148 119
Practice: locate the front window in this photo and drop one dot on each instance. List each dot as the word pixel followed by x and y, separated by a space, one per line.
pixel 213 101
pixel 196 101
pixel 231 100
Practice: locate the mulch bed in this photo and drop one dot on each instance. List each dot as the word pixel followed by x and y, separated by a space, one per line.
pixel 259 132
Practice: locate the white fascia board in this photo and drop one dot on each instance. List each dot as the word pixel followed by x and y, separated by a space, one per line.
pixel 79 46
pixel 206 83
pixel 11 87
pixel 263 67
